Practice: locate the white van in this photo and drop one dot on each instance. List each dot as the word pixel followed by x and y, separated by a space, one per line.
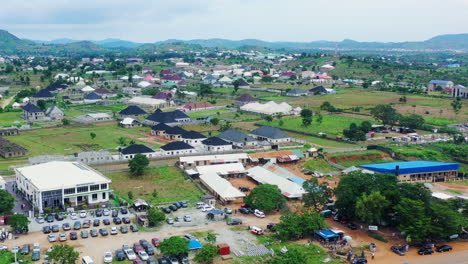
pixel 87 260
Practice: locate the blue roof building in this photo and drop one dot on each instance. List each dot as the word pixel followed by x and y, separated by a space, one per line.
pixel 425 171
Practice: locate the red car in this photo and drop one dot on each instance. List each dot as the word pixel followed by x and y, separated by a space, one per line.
pixel 138 261
pixel 155 241
pixel 137 247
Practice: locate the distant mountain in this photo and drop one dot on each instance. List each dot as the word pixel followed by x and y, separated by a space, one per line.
pixel 10 44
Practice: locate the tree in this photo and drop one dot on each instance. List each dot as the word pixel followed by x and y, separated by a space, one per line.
pixel 306 113
pixel 292 256
pixel 457 105
pixel 122 141
pixel 211 238
pixel 42 104
pixel 138 164
pixel 154 194
pixel 306 121
pixel 206 254
pixel 386 114
pixel 155 216
pixel 214 121
pixel 413 219
pixel 370 208
pixel 366 126
pixel 18 222
pixel 316 195
pixel 7 202
pixel 294 225
pixel 265 197
pixel 130 195
pixel 319 118
pixel 412 121
pixel 66 121
pixel 174 245
pixel 268 118
pixel 64 254
pixel 205 89
pixel 92 135
pixel 444 221
pixel 236 84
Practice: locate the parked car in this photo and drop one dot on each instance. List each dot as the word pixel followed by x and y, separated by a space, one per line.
pixel 93 232
pixel 106 212
pixel 190 237
pixel 259 213
pixel 51 238
pixel 138 261
pixel 151 261
pixel 184 204
pixel 134 228
pixel 351 226
pixel 119 255
pixel 228 210
pixel 256 230
pixel 73 236
pixel 50 218
pixel 40 220
pixel 115 213
pixel 137 247
pixel 170 221
pixel 234 221
pixel 149 250
pixel 126 220
pixel 177 204
pixel 123 229
pixel 63 237
pixel 96 222
pixel 163 260
pixel 83 214
pixel 144 243
pixel 77 225
pixel 443 248
pixel 84 234
pixel 178 218
pixel 106 221
pixel 123 210
pixel 98 213
pixel 359 260
pixel 173 260
pixel 36 255
pixel 398 250
pixel 113 230
pixel 103 232
pixel 166 210
pixel 130 254
pixel 207 208
pixel 425 251
pixel 187 218
pixel 117 220
pixel 155 241
pixel 59 216
pixel 183 259
pixel 66 227
pixel 200 205
pixel 108 257
pixel 173 207
pixel 244 211
pixel 73 216
pixel 86 223
pixel 25 249
pixel 55 228
pixel 143 255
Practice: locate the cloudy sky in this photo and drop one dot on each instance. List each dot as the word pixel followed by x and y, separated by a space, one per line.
pixel 272 20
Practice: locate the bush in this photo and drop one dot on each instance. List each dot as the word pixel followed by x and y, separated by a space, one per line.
pixel 377 237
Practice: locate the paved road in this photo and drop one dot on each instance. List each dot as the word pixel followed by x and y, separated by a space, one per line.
pixel 19 200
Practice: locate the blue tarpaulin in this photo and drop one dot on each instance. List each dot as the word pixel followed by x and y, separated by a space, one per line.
pixel 327 234
pixel 297 180
pixel 195 244
pixel 407 167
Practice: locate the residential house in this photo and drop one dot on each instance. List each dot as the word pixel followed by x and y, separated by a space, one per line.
pixel 287 75
pixel 132 111
pixel 270 134
pixel 132 90
pixel 200 106
pixel 216 144
pixel 297 92
pixel 87 89
pixel 307 74
pixel 321 90
pixel 128 122
pixel 238 139
pixel 9 149
pixel 193 138
pixel 172 78
pixel 439 85
pixel 164 95
pixel 225 80
pixel 98 117
pixel 460 90
pixel 92 98
pixel 210 79
pixel 243 84
pixel 43 94
pixel 104 93
pixel 54 113
pixel 169 118
pixel 9 131
pixel 245 99
pixel 172 133
pixel 177 148
pixel 33 113
pixel 130 151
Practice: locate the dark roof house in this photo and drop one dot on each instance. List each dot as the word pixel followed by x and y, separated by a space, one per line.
pixel 132 110
pixel 176 145
pixel 44 94
pixel 192 135
pixel 246 98
pixel 92 96
pixel 215 141
pixel 269 132
pixel 30 108
pixel 167 117
pixel 233 135
pixel 136 149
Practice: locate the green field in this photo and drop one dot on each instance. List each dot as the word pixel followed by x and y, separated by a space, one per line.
pixel 356 158
pixel 208 113
pixel 68 140
pixel 332 125
pixel 99 108
pixel 239 116
pixel 318 165
pixel 8 118
pixel 275 97
pixel 170 183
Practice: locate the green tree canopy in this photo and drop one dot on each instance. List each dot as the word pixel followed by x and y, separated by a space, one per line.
pixel 385 114
pixel 370 208
pixel 18 222
pixel 214 121
pixel 64 254
pixel 155 216
pixel 292 256
pixel 138 164
pixel 7 202
pixel 206 254
pixel 316 195
pixel 265 197
pixel 412 121
pixel 294 225
pixel 413 219
pixel 174 245
pixel 457 105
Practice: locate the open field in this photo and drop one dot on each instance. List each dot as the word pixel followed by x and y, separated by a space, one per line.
pixel 9 118
pixel 208 113
pixel 357 158
pixel 239 116
pixel 170 183
pixel 318 165
pixel 68 140
pixel 332 125
pixel 99 108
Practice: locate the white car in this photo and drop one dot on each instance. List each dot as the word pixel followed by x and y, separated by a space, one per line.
pixel 62 237
pixel 73 216
pixel 40 220
pixel 143 255
pixel 207 208
pixel 83 213
pixel 3 247
pixel 108 257
pixel 200 205
pixel 51 238
pixel 187 218
pixel 259 213
pixel 130 254
pixel 106 212
pixel 113 230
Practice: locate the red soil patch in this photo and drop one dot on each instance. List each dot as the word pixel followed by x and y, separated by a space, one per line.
pixel 361 157
pixel 453 186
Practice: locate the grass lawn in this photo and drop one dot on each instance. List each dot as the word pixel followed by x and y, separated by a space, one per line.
pixel 332 125
pixel 207 113
pixel 75 139
pixel 356 158
pixel 275 97
pixel 318 165
pixel 170 183
pixel 239 116
pixel 99 108
pixel 324 143
pixel 7 119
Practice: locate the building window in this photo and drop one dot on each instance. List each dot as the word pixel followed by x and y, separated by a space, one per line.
pixel 94 196
pixel 103 195
pixel 69 191
pixel 82 189
pixel 94 187
pixel 103 186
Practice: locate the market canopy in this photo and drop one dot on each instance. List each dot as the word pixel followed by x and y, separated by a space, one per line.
pixel 195 244
pixel 326 234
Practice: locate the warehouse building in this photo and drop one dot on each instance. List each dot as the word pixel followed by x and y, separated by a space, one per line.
pixel 59 183
pixel 417 171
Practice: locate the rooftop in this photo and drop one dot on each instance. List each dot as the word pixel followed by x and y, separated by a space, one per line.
pixel 135 149
pixel 406 167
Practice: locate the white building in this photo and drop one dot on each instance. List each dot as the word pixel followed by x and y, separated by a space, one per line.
pixel 57 183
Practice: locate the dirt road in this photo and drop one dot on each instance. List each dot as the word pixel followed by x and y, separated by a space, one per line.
pixel 7 101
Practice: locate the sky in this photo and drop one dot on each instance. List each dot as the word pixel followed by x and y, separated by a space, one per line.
pixel 270 20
